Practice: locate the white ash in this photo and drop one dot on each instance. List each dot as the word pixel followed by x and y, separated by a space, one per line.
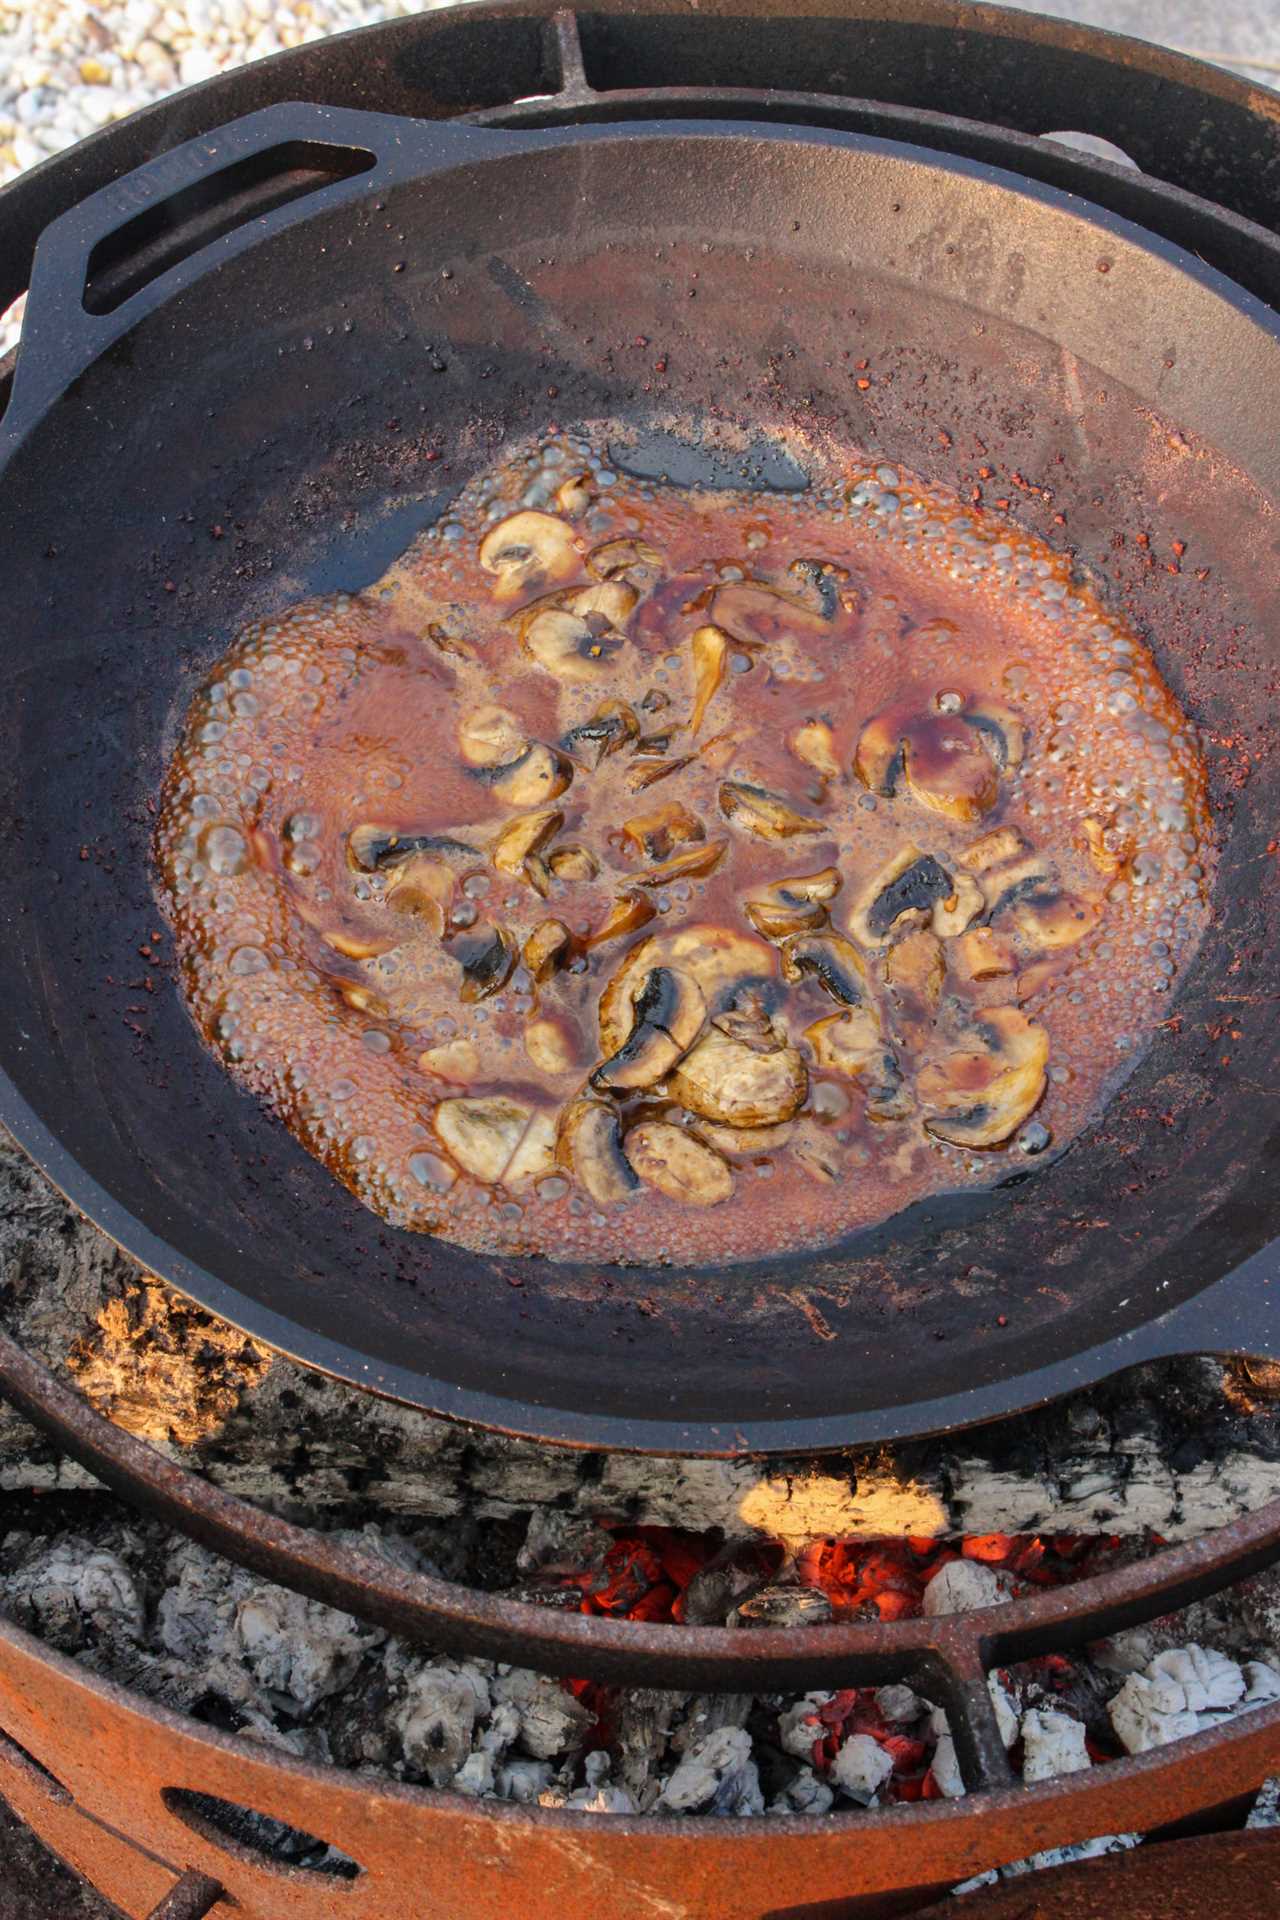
pixel 168 1618
pixel 962 1586
pixel 68 69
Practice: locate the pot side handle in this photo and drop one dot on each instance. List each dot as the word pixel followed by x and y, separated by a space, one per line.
pixel 121 252
pixel 1235 1317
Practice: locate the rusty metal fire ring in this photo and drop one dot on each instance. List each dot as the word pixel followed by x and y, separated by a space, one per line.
pixel 947 1657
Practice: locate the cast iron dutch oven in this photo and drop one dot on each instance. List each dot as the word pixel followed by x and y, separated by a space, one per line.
pixel 234 363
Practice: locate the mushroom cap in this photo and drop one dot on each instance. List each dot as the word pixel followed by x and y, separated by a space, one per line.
pixel 721 959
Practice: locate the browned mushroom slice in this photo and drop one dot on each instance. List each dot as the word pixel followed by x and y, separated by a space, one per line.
pixel 1003 734
pixel 629 912
pixel 487 956
pixel 358 946
pixel 526 550
pixel 668 1014
pixel 570 646
pixel 813 743
pixel 378 849
pixel 949 762
pixel 778 918
pixel 553 1044
pixel 658 833
pixel 634 560
pixel 828 958
pixel 916 966
pixel 422 885
pixel 980 1092
pixel 1110 847
pixel 764 815
pixel 364 1000
pixel 573 863
pixel 745 1140
pixel 1048 920
pixel 590 1145
pixel 818 588
pixel 521 839
pixel 984 954
pixel 491 737
pixel 903 894
pixel 754 613
pixel 741 1082
pixel 535 1156
pixel 547 948
pixel 610 603
pixel 673 1161
pixel 453 1060
pixel 695 863
pixel 610 727
pixel 960 908
pixel 709 647
pixel 574 495
pixel 994 849
pixel 483 1134
pixel 644 775
pixel 1003 887
pixel 722 960
pixel 540 775
pixel 722 748
pixel 850 1042
pixel 815 1152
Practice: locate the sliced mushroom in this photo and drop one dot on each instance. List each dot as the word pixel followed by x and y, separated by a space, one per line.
pixel 722 748
pixel 794 905
pixel 753 613
pixel 658 833
pixel 815 1152
pixel 961 907
pixel 979 1093
pixel 454 1060
pixel 364 1000
pixel 629 912
pixel 521 839
pixel 1110 847
pixel 994 849
pixel 547 948
pixel 491 737
pixel 358 946
pixel 377 849
pixel 850 1042
pixel 745 1140
pixel 709 647
pixel 590 1145
pixel 905 890
pixel 482 1135
pixel 668 1015
pixel 916 966
pixel 422 885
pixel 526 550
pixel 777 918
pixel 610 727
pixel 574 495
pixel 1002 731
pixel 610 602
pixel 641 777
pixel 984 954
pixel 535 1156
pixel 738 1083
pixel 949 762
pixel 677 1164
pixel 635 559
pixel 553 1044
pixel 723 961
pixel 487 956
pixel 1003 887
pixel 764 815
pixel 1049 920
pixel 569 646
pixel 831 960
pixel 537 776
pixel 573 863
pixel 695 863
pixel 813 743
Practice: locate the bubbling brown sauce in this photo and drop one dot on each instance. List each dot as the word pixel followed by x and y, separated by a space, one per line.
pixel 646 875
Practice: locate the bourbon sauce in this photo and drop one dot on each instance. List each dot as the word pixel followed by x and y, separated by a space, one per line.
pixel 646 875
